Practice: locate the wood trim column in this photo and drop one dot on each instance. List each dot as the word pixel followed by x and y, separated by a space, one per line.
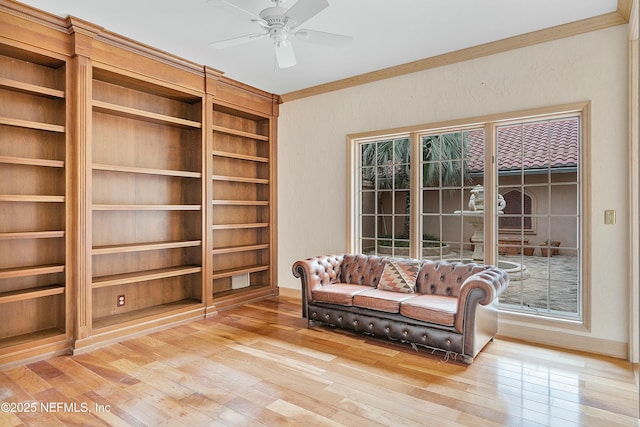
pixel 211 86
pixel 273 192
pixel 79 168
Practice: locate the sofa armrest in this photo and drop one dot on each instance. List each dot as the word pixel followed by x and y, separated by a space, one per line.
pixel 316 272
pixel 490 282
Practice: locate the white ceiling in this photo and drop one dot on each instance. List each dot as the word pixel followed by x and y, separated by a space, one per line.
pixel 385 33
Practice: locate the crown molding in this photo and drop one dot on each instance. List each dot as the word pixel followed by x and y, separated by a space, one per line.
pixel 619 17
pixel 34 15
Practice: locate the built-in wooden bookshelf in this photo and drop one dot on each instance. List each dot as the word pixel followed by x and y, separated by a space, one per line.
pixel 241 174
pixel 147 211
pixel 33 200
pixel 127 172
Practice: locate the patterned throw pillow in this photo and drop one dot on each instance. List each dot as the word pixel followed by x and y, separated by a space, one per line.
pixel 399 275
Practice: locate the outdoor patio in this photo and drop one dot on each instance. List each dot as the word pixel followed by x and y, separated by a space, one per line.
pixel 531 289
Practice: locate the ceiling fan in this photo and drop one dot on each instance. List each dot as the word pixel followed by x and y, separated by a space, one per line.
pixel 280 25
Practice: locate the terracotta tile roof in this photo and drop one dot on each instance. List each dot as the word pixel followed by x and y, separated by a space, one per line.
pixel 529 146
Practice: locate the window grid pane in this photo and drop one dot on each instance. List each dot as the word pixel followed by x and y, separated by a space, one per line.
pixel 452 164
pixel 384 194
pixel 539 232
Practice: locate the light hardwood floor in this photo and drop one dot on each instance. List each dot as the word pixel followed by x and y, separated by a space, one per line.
pixel 260 365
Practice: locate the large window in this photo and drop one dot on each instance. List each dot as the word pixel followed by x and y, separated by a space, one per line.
pixel 423 194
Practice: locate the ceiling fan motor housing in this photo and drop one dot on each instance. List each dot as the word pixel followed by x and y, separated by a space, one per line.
pixel 278 23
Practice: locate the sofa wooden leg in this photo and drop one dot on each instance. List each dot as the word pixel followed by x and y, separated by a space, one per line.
pixel 467 360
pixel 311 323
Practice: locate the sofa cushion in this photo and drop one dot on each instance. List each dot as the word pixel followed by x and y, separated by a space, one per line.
pixel 431 308
pixel 338 293
pixel 377 299
pixel 399 275
pixel 361 269
pixel 445 278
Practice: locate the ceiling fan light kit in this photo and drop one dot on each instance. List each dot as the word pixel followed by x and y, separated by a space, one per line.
pixel 279 23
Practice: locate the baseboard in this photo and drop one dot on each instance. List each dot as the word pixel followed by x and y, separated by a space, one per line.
pixel 290 292
pixel 98 339
pixel 561 339
pixel 35 355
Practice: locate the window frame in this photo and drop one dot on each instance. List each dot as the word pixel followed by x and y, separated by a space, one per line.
pixel 490 122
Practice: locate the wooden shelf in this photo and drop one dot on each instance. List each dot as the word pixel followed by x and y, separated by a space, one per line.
pixel 106 207
pixel 138 247
pixel 12 273
pixel 240 226
pixel 149 312
pixel 230 292
pixel 238 156
pixel 148 171
pixel 243 248
pixel 30 88
pixel 134 113
pixel 241 202
pixel 142 276
pixel 44 334
pixel 241 133
pixel 30 198
pixel 240 179
pixel 31 162
pixel 28 124
pixel 32 235
pixel 219 274
pixel 27 294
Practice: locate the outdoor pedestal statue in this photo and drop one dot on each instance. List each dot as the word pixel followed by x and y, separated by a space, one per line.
pixel 476 218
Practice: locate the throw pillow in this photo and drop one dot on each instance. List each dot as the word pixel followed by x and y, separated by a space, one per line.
pixel 399 275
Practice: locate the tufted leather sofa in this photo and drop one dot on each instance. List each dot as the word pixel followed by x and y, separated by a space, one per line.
pixel 451 309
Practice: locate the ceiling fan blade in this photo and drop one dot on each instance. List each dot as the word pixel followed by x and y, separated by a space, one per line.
pixel 304 10
pixel 233 5
pixel 284 54
pixel 320 37
pixel 236 41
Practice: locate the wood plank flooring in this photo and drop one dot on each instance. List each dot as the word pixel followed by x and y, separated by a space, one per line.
pixel 259 365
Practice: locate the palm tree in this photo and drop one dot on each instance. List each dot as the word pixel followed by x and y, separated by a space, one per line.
pixel 385 164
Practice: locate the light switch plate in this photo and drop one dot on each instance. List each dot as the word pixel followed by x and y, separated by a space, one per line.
pixel 610 217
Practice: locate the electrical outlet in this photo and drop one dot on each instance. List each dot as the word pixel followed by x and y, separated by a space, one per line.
pixel 120 301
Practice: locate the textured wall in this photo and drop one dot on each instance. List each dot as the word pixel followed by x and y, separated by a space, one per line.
pixel 589 67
